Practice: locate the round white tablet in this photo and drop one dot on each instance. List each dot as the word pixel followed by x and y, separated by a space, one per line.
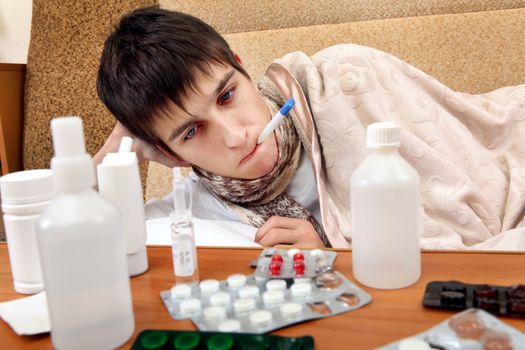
pixel 220 299
pixel 273 298
pixel 301 290
pixel 292 252
pixel 244 306
pixel 237 280
pixel 181 291
pixel 291 310
pixel 209 286
pixel 261 318
pixel 276 285
pixel 249 292
pixel 214 314
pixel 190 306
pixel 413 344
pixel 229 326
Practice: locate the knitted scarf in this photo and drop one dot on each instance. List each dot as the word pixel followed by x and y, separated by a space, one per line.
pixel 266 196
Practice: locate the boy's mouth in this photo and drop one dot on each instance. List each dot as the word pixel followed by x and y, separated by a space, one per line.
pixel 249 155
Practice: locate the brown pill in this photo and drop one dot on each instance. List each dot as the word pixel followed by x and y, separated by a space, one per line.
pixel 349 299
pixel 320 307
pixel 517 292
pixel 486 291
pixel 467 325
pixel 493 340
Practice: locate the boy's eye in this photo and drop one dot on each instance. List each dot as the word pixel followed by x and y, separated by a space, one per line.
pixel 225 97
pixel 191 133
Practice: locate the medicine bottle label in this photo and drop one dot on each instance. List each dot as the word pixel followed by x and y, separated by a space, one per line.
pixel 183 260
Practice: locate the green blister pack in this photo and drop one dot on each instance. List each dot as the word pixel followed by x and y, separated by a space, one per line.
pixel 195 340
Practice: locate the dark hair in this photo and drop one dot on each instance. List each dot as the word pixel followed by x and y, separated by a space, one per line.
pixel 151 59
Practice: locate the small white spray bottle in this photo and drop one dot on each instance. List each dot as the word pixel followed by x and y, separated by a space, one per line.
pixel 183 248
pixel 119 184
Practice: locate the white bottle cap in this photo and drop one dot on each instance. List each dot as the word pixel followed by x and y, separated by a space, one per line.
pixel 301 290
pixel 220 299
pixel 229 326
pixel 73 169
pixel 273 298
pixel 261 318
pixel 215 314
pixel 291 310
pixel 249 292
pixel 29 186
pixel 209 286
pixel 237 280
pixel 190 306
pixel 292 252
pixel 385 134
pixel 244 305
pixel 276 285
pixel 181 291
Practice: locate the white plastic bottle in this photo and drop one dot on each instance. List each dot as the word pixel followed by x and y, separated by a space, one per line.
pixel 119 184
pixel 183 247
pixel 82 252
pixel 385 214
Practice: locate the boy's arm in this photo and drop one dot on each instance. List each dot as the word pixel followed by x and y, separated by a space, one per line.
pixel 145 151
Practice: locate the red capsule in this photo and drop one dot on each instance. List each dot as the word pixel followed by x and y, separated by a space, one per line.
pixel 298 256
pixel 277 257
pixel 298 268
pixel 275 268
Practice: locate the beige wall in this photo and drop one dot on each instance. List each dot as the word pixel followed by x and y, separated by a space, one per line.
pixel 15 28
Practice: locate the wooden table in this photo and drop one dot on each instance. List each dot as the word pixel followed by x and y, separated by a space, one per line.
pixel 391 315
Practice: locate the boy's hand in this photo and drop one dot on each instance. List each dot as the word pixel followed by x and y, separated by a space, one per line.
pixel 145 151
pixel 297 233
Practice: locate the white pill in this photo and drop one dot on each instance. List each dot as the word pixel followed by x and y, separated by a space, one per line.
pixel 220 299
pixel 244 306
pixel 273 298
pixel 237 280
pixel 291 310
pixel 215 314
pixel 249 292
pixel 302 280
pixel 301 290
pixel 181 291
pixel 190 306
pixel 276 285
pixel 229 326
pixel 209 286
pixel 292 252
pixel 413 344
pixel 261 318
pixel 316 253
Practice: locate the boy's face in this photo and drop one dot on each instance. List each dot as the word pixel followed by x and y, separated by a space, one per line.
pixel 218 131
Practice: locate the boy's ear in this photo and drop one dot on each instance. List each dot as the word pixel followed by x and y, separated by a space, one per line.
pixel 238 58
pixel 173 157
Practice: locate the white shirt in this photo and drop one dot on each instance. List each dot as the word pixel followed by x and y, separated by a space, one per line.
pixel 205 205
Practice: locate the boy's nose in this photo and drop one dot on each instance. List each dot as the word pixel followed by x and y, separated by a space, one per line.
pixel 233 134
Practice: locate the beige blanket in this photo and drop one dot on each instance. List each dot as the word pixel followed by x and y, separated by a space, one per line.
pixel 469 150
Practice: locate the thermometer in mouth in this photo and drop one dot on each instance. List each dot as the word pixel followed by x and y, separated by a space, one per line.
pixel 276 120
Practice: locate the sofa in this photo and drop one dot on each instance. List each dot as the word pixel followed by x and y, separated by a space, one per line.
pixel 470 45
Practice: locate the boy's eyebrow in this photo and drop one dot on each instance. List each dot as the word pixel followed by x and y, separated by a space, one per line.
pixel 222 83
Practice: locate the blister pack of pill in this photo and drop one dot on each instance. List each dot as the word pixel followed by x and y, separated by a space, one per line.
pixel 160 339
pixel 471 329
pixel 254 305
pixel 293 263
pixel 499 300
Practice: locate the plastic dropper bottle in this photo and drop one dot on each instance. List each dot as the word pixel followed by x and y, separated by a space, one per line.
pixel 119 184
pixel 183 247
pixel 82 252
pixel 385 213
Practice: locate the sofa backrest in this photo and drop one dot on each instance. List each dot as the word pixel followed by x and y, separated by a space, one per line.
pixel 470 45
